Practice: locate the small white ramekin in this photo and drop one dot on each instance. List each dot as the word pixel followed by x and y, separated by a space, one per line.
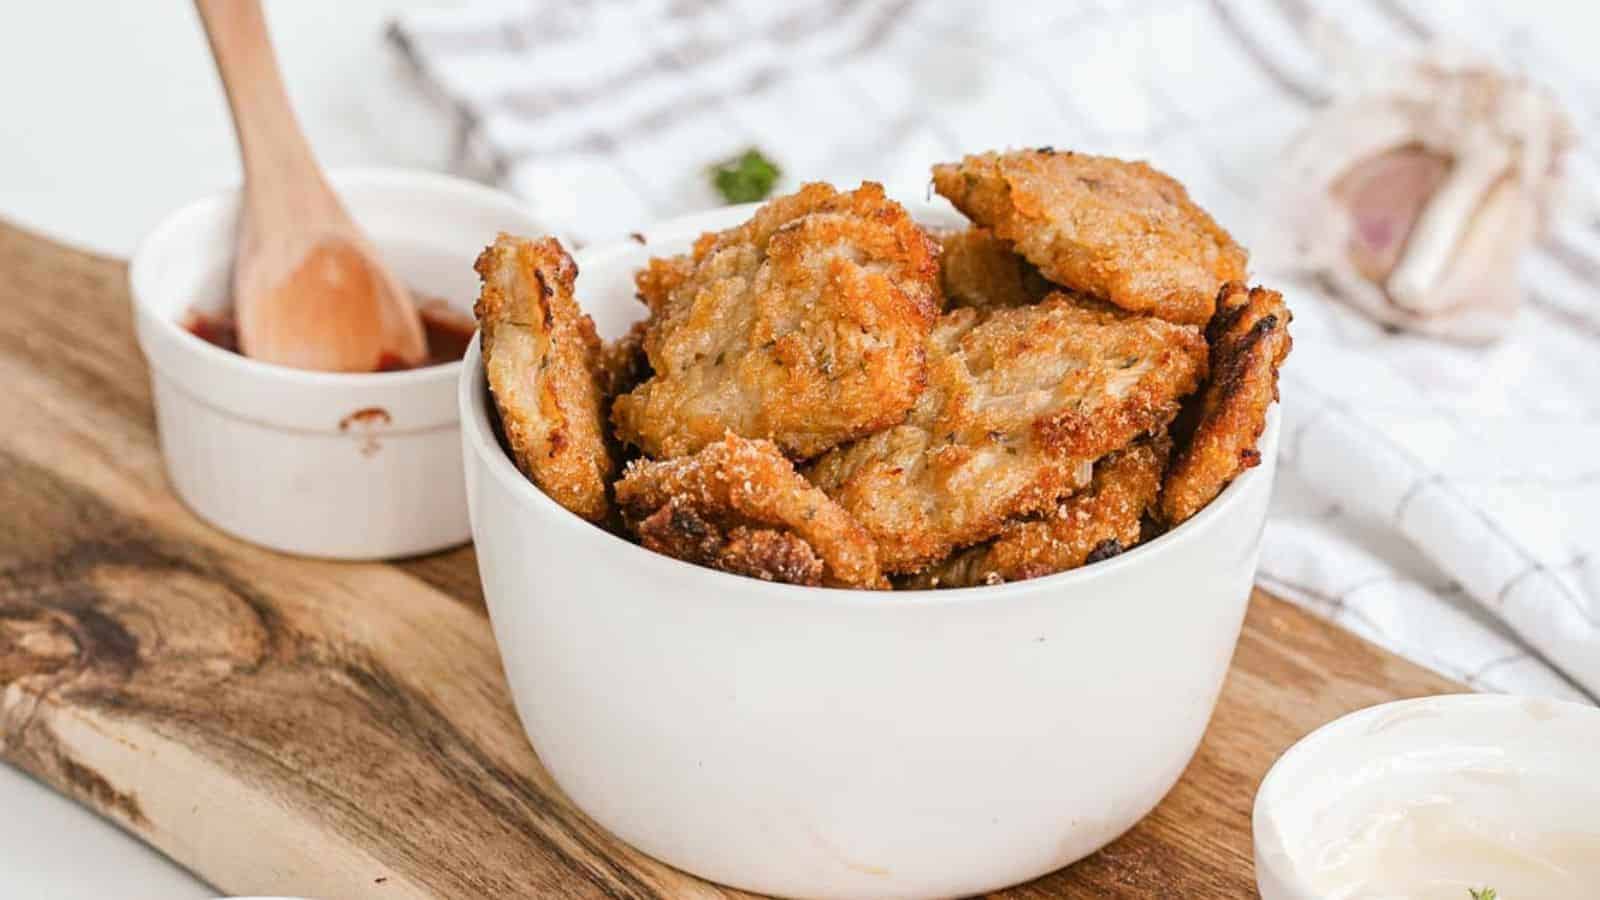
pixel 1397 751
pixel 811 742
pixel 321 464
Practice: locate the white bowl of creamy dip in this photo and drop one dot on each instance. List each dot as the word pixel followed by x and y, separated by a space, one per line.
pixel 1440 797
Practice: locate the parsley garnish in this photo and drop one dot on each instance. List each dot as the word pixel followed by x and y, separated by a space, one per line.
pixel 745 178
pixel 1487 893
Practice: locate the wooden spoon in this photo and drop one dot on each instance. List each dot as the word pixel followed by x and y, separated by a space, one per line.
pixel 308 288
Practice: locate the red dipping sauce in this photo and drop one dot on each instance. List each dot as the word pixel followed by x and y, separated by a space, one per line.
pixel 447 331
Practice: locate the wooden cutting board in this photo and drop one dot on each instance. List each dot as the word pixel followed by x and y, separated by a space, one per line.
pixel 285 726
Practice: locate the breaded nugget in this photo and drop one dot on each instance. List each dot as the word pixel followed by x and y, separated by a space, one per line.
pixel 739 505
pixel 541 354
pixel 1094 524
pixel 623 363
pixel 979 270
pixel 662 275
pixel 679 530
pixel 623 367
pixel 1116 230
pixel 804 326
pixel 1019 404
pixel 1249 339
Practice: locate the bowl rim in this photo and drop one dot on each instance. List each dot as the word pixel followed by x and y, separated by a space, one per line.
pixel 1266 811
pixel 341 178
pixel 478 438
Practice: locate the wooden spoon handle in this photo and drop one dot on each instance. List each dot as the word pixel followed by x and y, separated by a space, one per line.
pixel 273 149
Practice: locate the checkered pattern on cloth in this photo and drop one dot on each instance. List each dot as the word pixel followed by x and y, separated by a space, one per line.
pixel 1441 500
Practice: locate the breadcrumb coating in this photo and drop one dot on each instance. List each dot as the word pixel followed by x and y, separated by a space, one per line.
pixel 1096 523
pixel 1116 230
pixel 804 326
pixel 740 506
pixel 1249 339
pixel 1020 403
pixel 541 355
pixel 982 271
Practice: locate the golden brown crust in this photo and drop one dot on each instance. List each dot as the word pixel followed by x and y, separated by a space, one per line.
pixel 659 278
pixel 680 531
pixel 1249 337
pixel 623 363
pixel 1094 524
pixel 1019 403
pixel 541 355
pixel 1117 230
pixel 804 326
pixel 739 505
pixel 982 271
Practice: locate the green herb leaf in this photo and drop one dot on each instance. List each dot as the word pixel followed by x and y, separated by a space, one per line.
pixel 745 178
pixel 1487 893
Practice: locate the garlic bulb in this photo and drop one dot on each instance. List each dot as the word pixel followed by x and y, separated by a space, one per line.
pixel 1415 195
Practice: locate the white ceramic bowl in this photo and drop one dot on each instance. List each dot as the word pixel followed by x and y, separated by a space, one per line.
pixel 1514 769
pixel 829 743
pixel 335 465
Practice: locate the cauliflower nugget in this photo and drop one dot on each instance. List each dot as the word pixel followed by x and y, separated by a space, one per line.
pixel 804 326
pixel 1019 404
pixel 623 363
pixel 979 270
pixel 740 506
pixel 1249 339
pixel 541 356
pixel 655 282
pixel 1099 522
pixel 1119 231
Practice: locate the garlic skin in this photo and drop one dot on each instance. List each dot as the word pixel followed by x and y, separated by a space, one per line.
pixel 1415 193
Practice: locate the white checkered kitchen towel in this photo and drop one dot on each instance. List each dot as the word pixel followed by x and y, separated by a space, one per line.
pixel 1441 500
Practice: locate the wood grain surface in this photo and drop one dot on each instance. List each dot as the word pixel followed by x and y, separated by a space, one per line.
pixel 285 726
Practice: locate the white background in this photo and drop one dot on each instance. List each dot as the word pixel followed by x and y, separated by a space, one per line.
pixel 113 115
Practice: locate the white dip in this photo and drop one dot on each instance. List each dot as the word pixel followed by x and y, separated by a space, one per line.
pixel 1426 799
